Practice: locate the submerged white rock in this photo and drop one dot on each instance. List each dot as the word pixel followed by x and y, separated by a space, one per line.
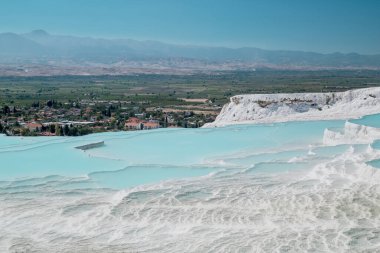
pixel 268 108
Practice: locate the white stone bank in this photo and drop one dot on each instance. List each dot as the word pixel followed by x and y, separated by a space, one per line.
pixel 269 108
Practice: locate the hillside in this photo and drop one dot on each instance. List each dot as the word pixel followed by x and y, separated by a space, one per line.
pixel 268 108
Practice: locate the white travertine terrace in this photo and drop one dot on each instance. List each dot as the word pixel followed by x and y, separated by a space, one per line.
pixel 270 108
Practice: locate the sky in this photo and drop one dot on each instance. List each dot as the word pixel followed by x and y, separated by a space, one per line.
pixel 324 26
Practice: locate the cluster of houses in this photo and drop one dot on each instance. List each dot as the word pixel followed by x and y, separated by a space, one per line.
pixel 89 117
pixel 134 123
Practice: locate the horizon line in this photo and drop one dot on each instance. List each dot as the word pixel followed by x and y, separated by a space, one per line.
pixel 211 45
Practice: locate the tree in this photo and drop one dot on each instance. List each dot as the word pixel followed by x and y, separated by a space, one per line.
pixel 66 130
pixel 6 110
pixel 58 130
pixel 108 112
pixel 73 131
pixel 36 104
pixel 52 129
pixel 25 132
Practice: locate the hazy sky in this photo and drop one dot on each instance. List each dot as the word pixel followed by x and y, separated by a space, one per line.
pixel 312 25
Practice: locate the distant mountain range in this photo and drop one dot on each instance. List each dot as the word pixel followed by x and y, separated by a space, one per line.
pixel 40 48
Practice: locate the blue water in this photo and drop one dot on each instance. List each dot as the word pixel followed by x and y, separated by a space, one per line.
pixel 157 154
pixel 372 121
pixel 246 188
pixel 369 120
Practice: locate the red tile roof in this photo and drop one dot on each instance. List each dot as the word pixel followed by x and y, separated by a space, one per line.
pixel 33 125
pixel 151 124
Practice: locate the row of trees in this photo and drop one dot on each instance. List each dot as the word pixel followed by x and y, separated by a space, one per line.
pixel 49 103
pixel 67 130
pixel 6 110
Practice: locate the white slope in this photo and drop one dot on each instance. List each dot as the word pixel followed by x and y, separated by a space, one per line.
pixel 269 108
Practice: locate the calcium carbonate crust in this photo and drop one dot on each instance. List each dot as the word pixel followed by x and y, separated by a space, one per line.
pixel 270 108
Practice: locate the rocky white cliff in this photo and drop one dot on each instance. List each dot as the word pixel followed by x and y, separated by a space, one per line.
pixel 268 108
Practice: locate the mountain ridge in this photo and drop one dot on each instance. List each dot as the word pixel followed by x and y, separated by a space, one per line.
pixel 44 48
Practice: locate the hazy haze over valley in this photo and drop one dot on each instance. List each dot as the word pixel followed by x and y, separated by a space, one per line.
pixel 42 53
